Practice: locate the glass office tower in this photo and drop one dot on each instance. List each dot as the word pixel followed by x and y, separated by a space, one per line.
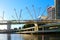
pixel 57 9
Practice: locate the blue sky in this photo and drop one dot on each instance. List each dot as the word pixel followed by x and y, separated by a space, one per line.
pixel 8 7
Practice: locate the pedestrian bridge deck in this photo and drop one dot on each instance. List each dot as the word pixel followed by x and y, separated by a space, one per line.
pixel 27 21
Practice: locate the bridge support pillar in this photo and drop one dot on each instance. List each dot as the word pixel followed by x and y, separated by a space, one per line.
pixel 8 26
pixel 36 27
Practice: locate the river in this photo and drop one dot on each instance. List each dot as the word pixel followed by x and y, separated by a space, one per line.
pixel 29 37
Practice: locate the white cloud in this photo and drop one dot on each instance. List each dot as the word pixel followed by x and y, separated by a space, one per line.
pixel 3 27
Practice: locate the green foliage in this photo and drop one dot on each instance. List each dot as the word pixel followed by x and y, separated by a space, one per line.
pixel 28 25
pixel 15 28
pixel 31 25
pixel 19 27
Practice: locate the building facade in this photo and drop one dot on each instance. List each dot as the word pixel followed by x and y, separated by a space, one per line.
pixel 57 8
pixel 51 12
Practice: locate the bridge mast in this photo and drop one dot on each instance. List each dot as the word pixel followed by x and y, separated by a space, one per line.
pixel 3 15
pixel 34 10
pixel 20 14
pixel 36 25
pixel 16 13
pixel 39 11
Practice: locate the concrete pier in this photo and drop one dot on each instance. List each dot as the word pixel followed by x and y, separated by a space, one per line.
pixel 8 26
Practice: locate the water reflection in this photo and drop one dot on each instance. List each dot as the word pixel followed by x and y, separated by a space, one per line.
pixel 42 37
pixel 29 37
pixel 3 37
pixel 8 36
pixel 11 37
pixel 16 37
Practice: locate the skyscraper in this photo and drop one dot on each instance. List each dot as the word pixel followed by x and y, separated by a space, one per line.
pixel 57 9
pixel 51 12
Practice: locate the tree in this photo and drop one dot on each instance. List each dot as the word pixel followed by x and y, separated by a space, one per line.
pixel 19 27
pixel 28 25
pixel 15 28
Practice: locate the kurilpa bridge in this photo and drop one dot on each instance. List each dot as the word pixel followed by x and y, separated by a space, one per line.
pixel 35 22
pixel 19 21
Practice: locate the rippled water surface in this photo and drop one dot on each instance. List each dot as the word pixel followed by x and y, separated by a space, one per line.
pixel 29 37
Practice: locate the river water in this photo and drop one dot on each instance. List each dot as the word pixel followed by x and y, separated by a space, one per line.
pixel 29 37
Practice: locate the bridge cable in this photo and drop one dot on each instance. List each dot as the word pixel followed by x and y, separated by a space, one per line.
pixel 20 14
pixel 29 13
pixel 34 10
pixel 44 11
pixel 16 13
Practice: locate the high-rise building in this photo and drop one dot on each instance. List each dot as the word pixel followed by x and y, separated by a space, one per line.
pixel 51 12
pixel 57 8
